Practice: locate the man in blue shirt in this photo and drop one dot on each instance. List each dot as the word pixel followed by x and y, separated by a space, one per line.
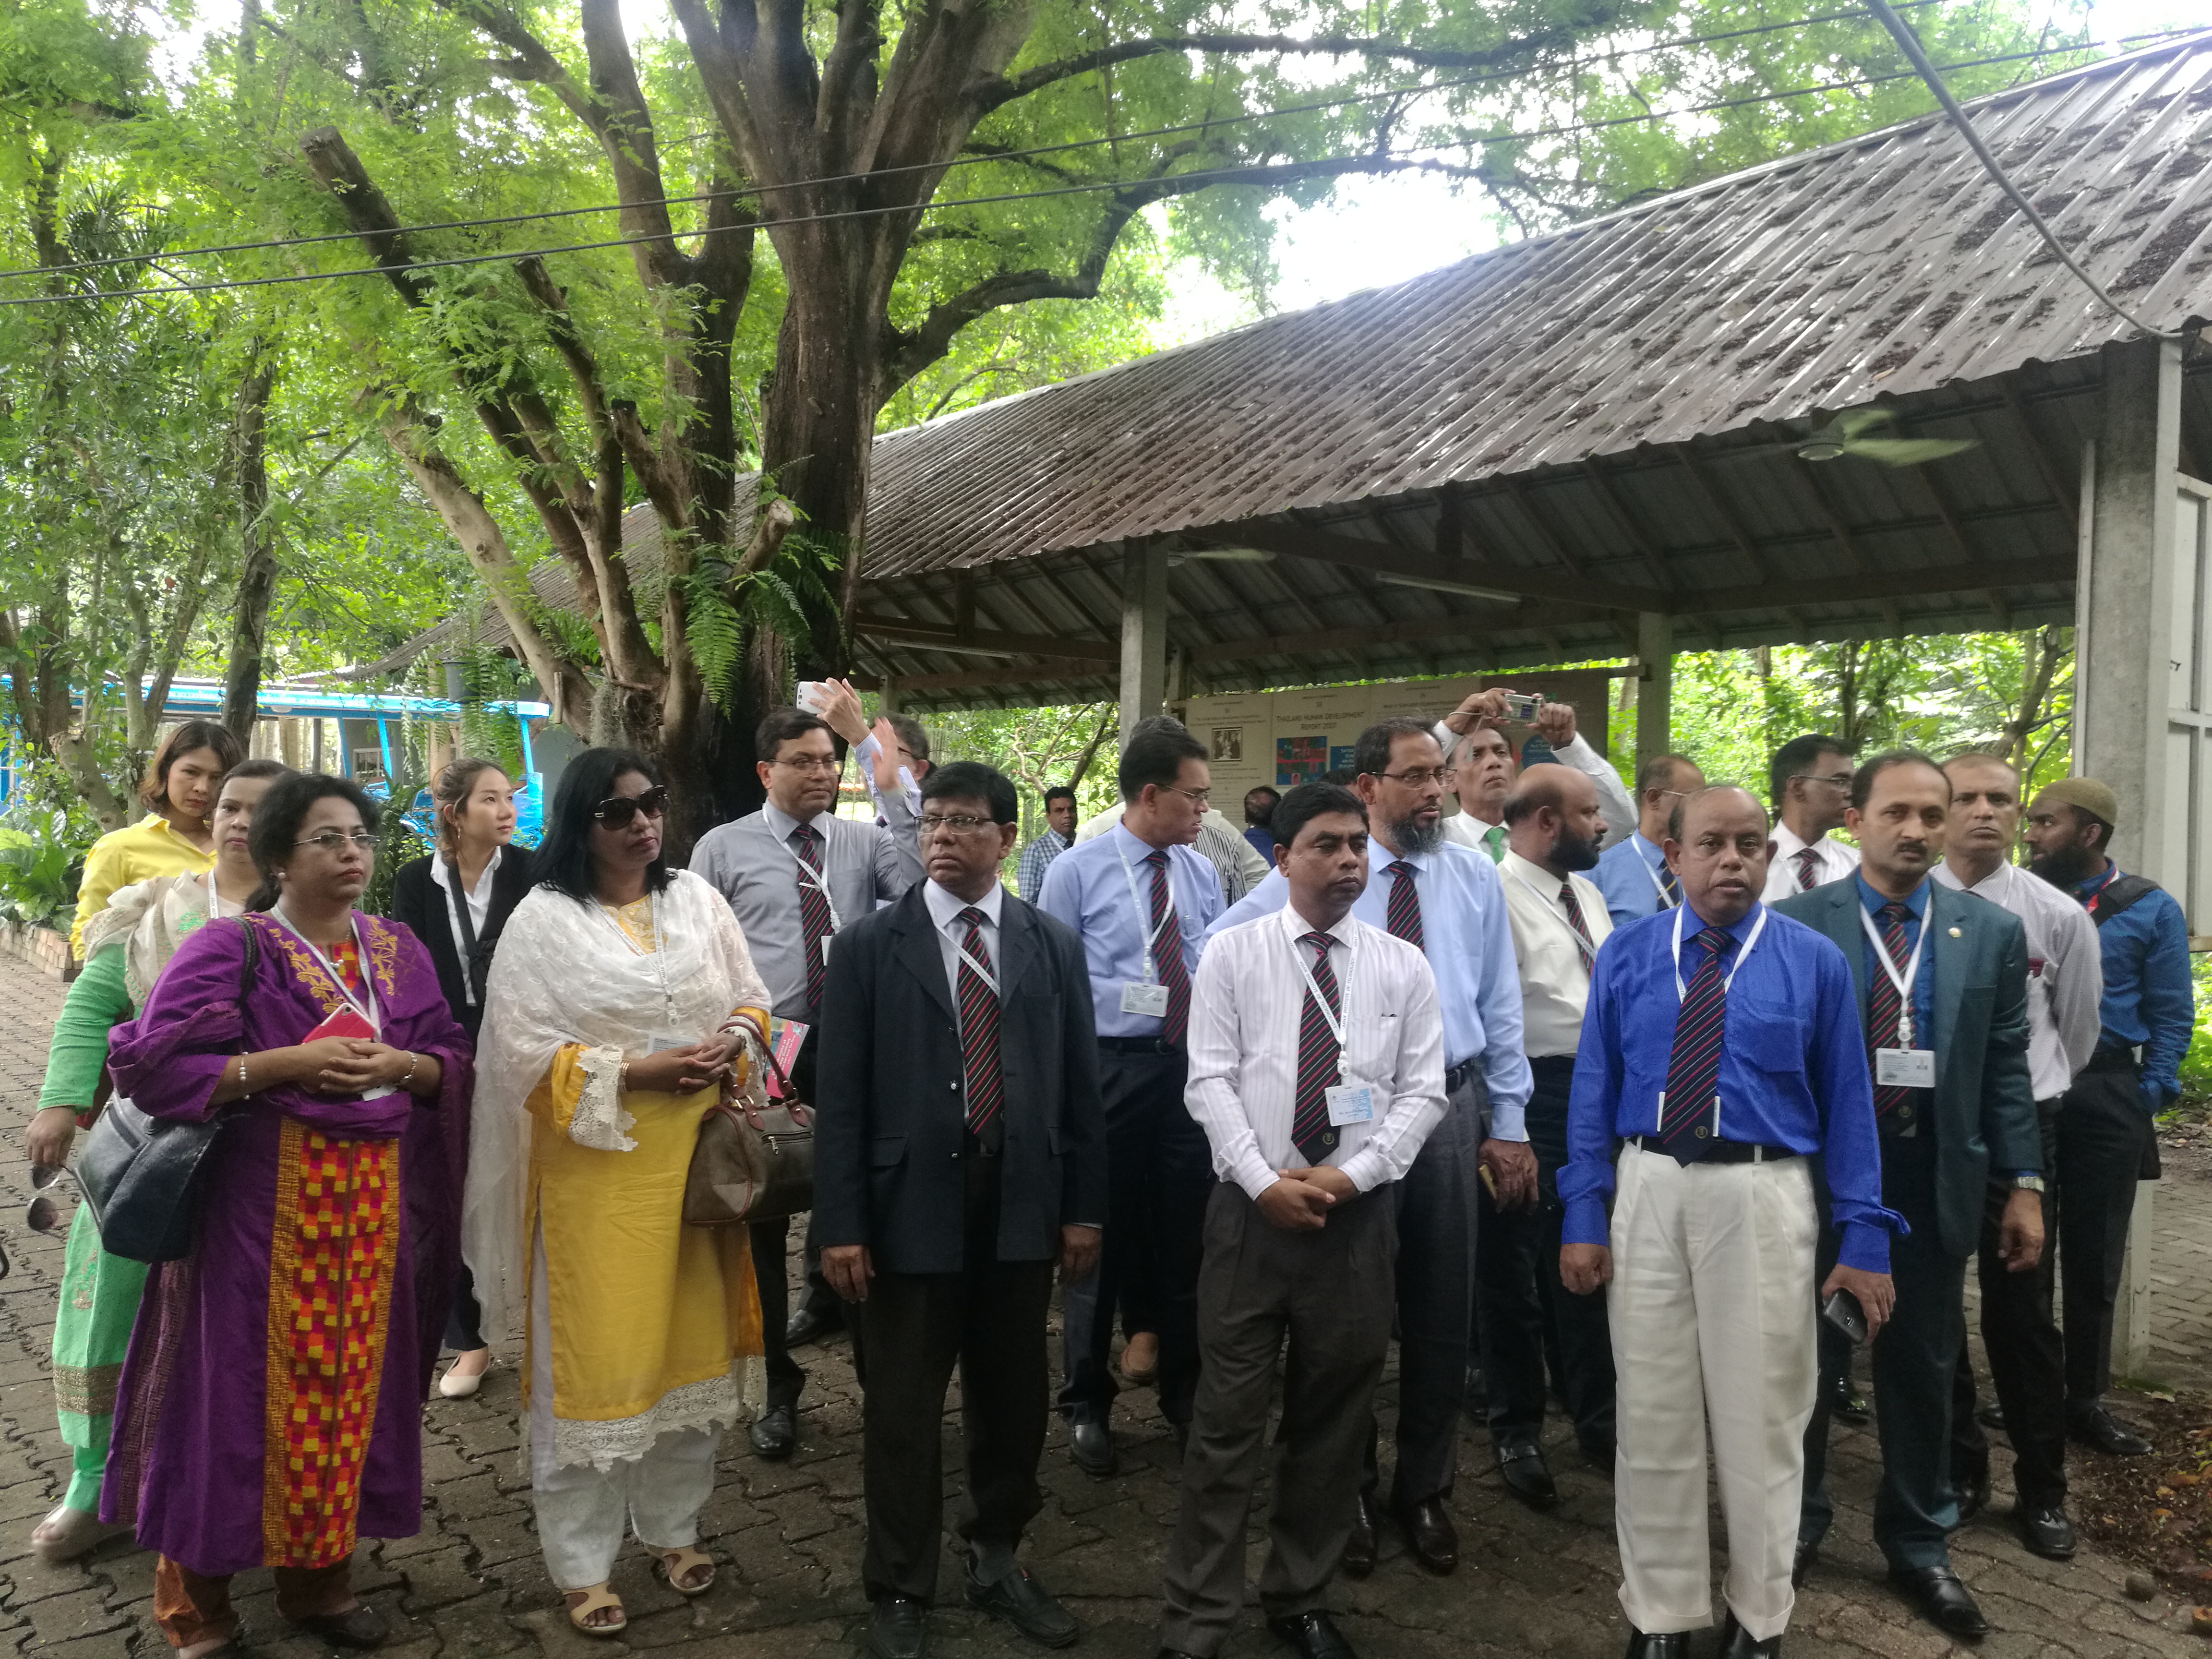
pixel 1259 803
pixel 1445 900
pixel 1141 899
pixel 1632 874
pixel 1941 985
pixel 1057 836
pixel 2106 1141
pixel 1718 1044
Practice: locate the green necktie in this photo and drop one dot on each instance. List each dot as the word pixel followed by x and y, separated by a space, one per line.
pixel 1494 842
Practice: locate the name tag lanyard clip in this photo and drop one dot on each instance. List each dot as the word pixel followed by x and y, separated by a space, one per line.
pixel 1904 980
pixel 1743 956
pixel 366 1010
pixel 1150 930
pixel 819 880
pixel 1330 1017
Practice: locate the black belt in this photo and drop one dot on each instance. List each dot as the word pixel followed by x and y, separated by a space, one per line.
pixel 1456 1078
pixel 2113 1057
pixel 1138 1046
pixel 1721 1151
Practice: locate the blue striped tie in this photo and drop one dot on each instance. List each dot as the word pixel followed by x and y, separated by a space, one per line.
pixel 1694 1069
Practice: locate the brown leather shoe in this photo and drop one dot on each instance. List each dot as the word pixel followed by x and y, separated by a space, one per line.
pixel 1430 1534
pixel 1359 1558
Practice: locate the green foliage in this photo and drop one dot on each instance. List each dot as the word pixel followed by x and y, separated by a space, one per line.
pixel 39 873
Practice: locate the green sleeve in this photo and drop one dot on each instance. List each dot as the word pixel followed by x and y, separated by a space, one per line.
pixel 96 1003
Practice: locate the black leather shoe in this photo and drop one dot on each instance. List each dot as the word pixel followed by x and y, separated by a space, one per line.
pixel 1674 1644
pixel 1941 1599
pixel 775 1436
pixel 2092 1425
pixel 1991 1416
pixel 1801 1562
pixel 1359 1558
pixel 1091 1444
pixel 810 1324
pixel 898 1628
pixel 1314 1635
pixel 1844 1399
pixel 1974 1494
pixel 2047 1533
pixel 1477 1401
pixel 362 1628
pixel 1736 1643
pixel 1018 1600
pixel 1527 1477
pixel 1430 1534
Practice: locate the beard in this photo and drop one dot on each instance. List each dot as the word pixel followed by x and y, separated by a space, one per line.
pixel 2068 867
pixel 1410 835
pixel 1574 851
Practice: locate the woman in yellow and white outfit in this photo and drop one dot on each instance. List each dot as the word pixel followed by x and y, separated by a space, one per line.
pixel 621 1000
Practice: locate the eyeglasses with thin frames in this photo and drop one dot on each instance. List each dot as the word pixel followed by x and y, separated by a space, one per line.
pixel 1414 776
pixel 334 841
pixel 953 823
pixel 1203 796
pixel 812 764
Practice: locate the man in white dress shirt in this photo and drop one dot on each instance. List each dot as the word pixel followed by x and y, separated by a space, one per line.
pixel 1484 776
pixel 2065 985
pixel 1809 781
pixel 1316 1071
pixel 1558 920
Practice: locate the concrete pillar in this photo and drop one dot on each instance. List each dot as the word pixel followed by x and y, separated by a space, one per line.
pixel 887 698
pixel 1655 692
pixel 1144 633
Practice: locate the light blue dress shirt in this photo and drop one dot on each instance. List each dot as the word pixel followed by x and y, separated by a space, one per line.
pixel 1468 941
pixel 1086 887
pixel 1627 873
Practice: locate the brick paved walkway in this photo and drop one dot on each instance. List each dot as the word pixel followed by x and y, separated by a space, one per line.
pixel 472 1583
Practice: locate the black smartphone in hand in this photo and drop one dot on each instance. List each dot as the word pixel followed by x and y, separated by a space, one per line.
pixel 1843 1312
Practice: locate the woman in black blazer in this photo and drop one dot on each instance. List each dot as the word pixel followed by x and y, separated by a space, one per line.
pixel 456 901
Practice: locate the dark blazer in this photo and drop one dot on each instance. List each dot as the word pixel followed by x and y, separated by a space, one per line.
pixel 420 904
pixel 891 1133
pixel 1984 1117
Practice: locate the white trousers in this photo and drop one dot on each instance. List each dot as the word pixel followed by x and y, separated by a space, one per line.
pixel 1712 1312
pixel 580 1509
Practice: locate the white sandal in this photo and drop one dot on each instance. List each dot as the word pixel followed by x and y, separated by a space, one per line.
pixel 67 1533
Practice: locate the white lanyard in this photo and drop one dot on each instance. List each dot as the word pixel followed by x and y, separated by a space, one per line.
pixel 1741 956
pixel 960 949
pixel 366 1010
pixel 1146 926
pixel 1586 948
pixel 1330 1017
pixel 659 953
pixel 1667 900
pixel 817 880
pixel 1903 981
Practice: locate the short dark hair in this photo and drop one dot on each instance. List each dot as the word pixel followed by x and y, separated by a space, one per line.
pixel 1888 760
pixel 261 768
pixel 564 861
pixel 1058 792
pixel 973 780
pixel 1657 771
pixel 911 736
pixel 779 726
pixel 1308 802
pixel 1792 757
pixel 1682 807
pixel 1258 820
pixel 1370 750
pixel 1156 757
pixel 278 819
pixel 154 787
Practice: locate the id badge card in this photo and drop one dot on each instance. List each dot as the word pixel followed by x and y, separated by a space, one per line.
pixel 661 1042
pixel 1904 1068
pixel 1349 1103
pixel 1150 1000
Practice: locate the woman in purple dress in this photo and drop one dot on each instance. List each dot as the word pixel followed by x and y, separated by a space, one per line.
pixel 269 1409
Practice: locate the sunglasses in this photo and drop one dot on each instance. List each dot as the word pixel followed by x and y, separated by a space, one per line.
pixel 45 1213
pixel 616 811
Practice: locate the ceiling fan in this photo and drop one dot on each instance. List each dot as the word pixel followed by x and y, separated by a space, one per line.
pixel 1847 435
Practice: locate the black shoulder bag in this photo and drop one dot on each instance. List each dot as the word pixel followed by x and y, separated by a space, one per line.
pixel 140 1174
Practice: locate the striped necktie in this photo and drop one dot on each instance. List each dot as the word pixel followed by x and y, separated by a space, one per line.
pixel 1317 1058
pixel 1575 921
pixel 1690 1112
pixel 814 924
pixel 1808 862
pixel 1669 886
pixel 979 1036
pixel 1167 951
pixel 1885 1007
pixel 1404 920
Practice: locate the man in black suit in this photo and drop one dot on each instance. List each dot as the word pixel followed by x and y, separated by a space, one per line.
pixel 1941 979
pixel 960 1151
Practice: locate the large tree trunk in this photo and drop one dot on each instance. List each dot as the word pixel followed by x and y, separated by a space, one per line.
pixel 257 575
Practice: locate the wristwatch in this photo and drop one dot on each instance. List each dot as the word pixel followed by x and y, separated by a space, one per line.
pixel 2027 1183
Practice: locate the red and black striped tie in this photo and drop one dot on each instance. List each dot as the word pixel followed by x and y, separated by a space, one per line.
pixel 1808 861
pixel 1694 1068
pixel 1317 1058
pixel 979 1036
pixel 1167 951
pixel 814 925
pixel 1404 920
pixel 1884 1005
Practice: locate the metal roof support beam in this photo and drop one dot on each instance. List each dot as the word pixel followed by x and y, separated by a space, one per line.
pixel 1144 632
pixel 983 641
pixel 1360 553
pixel 1655 693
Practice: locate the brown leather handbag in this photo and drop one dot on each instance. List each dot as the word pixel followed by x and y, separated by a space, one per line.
pixel 754 1162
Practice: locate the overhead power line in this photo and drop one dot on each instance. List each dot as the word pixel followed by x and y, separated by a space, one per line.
pixel 1199 178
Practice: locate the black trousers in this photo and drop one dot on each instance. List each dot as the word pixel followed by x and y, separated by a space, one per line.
pixel 2104 1137
pixel 1160 1173
pixel 1525 1312
pixel 2027 1358
pixel 1915 1358
pixel 988 1319
pixel 464 1332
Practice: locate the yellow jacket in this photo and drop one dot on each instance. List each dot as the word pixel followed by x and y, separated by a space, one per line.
pixel 145 849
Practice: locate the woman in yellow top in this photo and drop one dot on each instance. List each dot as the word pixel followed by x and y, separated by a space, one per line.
pixel 175 838
pixel 622 1000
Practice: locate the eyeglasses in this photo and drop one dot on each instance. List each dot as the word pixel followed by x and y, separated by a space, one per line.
pixel 954 823
pixel 44 1214
pixel 616 811
pixel 334 841
pixel 1833 780
pixel 1414 776
pixel 813 764
pixel 1203 796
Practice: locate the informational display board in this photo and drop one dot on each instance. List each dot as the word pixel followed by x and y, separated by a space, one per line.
pixel 1285 737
